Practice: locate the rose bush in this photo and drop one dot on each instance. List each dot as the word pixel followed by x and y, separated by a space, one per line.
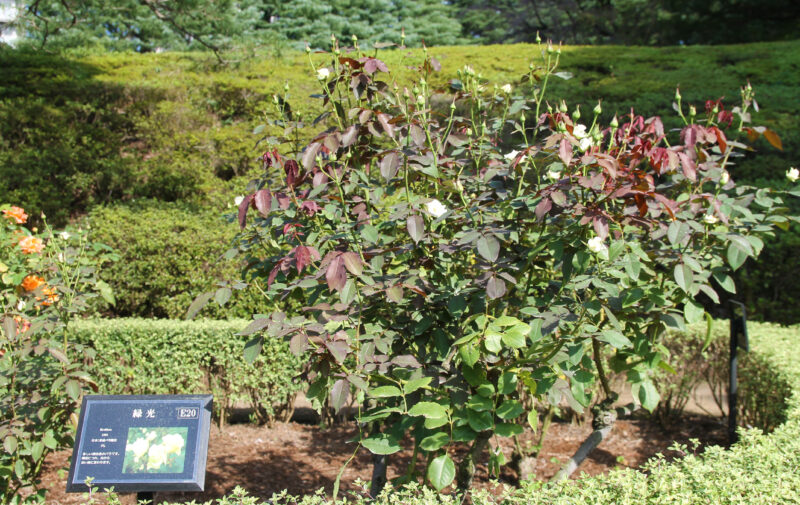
pixel 463 253
pixel 45 281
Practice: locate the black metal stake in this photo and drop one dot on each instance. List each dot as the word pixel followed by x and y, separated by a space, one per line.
pixel 146 497
pixel 738 328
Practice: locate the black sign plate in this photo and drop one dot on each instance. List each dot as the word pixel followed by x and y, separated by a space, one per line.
pixel 141 443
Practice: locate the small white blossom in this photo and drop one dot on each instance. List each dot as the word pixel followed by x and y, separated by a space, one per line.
pixel 511 155
pixel 506 88
pixel 585 143
pixel 21 305
pixel 579 131
pixel 710 219
pixel 598 246
pixel 323 73
pixel 459 186
pixel 553 175
pixel 435 208
pixel 724 178
pixel 238 200
pixel 793 174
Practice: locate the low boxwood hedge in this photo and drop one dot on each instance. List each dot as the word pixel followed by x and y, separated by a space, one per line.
pixel 148 356
pixel 760 468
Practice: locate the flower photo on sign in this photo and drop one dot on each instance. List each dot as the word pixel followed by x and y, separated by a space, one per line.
pixel 155 450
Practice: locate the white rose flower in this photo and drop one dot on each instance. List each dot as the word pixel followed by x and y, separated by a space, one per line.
pixel 710 219
pixel 64 235
pixel 584 144
pixel 793 174
pixel 238 200
pixel 435 208
pixel 511 155
pixel 553 175
pixel 323 73
pixel 724 177
pixel 21 305
pixel 156 456
pixel 138 448
pixel 173 443
pixel 506 89
pixel 579 131
pixel 598 246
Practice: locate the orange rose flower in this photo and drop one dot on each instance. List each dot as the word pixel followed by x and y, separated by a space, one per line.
pixel 23 325
pixel 51 296
pixel 31 245
pixel 31 282
pixel 16 214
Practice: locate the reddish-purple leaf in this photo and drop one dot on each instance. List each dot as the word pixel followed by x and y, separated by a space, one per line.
pixel 389 165
pixel 310 207
pixel 600 224
pixel 349 136
pixel 292 172
pixel 263 201
pixel 543 207
pixel 406 361
pixel 338 349
pixel 283 200
pixel 495 288
pixel 773 139
pixel 302 257
pixel 374 64
pixel 352 261
pixel 416 227
pixel 688 167
pixel 310 155
pixel 336 274
pixel 298 344
pixel 384 120
pixel 339 393
pixel 417 135
pixel 565 151
pixel 243 210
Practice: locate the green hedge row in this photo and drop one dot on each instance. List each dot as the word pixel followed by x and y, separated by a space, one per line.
pixel 760 468
pixel 141 356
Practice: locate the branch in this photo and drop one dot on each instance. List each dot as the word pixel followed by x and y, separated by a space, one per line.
pixel 154 8
pixel 602 423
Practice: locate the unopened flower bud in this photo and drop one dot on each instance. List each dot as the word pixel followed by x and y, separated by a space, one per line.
pixel 715 110
pixel 286 87
pixel 421 100
pixel 614 123
pixel 678 94
pixel 332 157
pixel 452 106
pixel 538 38
pixel 576 115
pixel 348 155
pixel 355 38
pixel 469 132
pixel 275 99
pixel 549 48
pixel 522 117
pixel 308 48
pixel 692 111
pixel 415 90
pixel 724 177
pixel 597 109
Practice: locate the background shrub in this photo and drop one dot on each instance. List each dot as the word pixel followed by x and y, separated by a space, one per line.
pixel 141 356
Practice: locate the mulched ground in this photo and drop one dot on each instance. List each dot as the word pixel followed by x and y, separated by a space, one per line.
pixel 303 458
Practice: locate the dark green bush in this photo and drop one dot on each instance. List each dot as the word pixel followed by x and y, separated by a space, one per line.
pixel 170 252
pixel 139 356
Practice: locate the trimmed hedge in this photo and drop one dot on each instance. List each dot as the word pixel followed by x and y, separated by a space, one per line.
pixel 758 469
pixel 145 356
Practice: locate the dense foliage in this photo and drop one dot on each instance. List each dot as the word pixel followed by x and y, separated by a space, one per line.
pixel 458 252
pixel 46 280
pixel 175 126
pixel 140 356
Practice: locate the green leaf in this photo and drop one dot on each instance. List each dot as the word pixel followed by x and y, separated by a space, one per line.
pixel 693 312
pixel 369 233
pixel 106 292
pixel 49 440
pixel 415 384
pixel 37 449
pixel 385 392
pixel 434 442
pixel 464 434
pixel 507 383
pixel 632 267
pixel 441 472
pixel 73 388
pixel 222 295
pixel 683 276
pixel 432 423
pixel 533 420
pixel 348 292
pixel 725 281
pixel 736 255
pixel 416 227
pixel 493 342
pixel 648 396
pixel 480 403
pixel 198 304
pixel 615 338
pixel 508 429
pixel 381 443
pixel 428 410
pixel 253 348
pixel 10 444
pixel 515 337
pixel 489 247
pixel 480 421
pixel 510 409
pixel 469 354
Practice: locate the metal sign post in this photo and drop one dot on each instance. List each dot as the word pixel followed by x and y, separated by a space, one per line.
pixel 738 339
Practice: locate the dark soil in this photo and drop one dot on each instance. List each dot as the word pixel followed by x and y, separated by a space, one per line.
pixel 303 458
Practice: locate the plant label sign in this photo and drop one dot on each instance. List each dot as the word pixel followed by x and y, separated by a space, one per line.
pixel 141 443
